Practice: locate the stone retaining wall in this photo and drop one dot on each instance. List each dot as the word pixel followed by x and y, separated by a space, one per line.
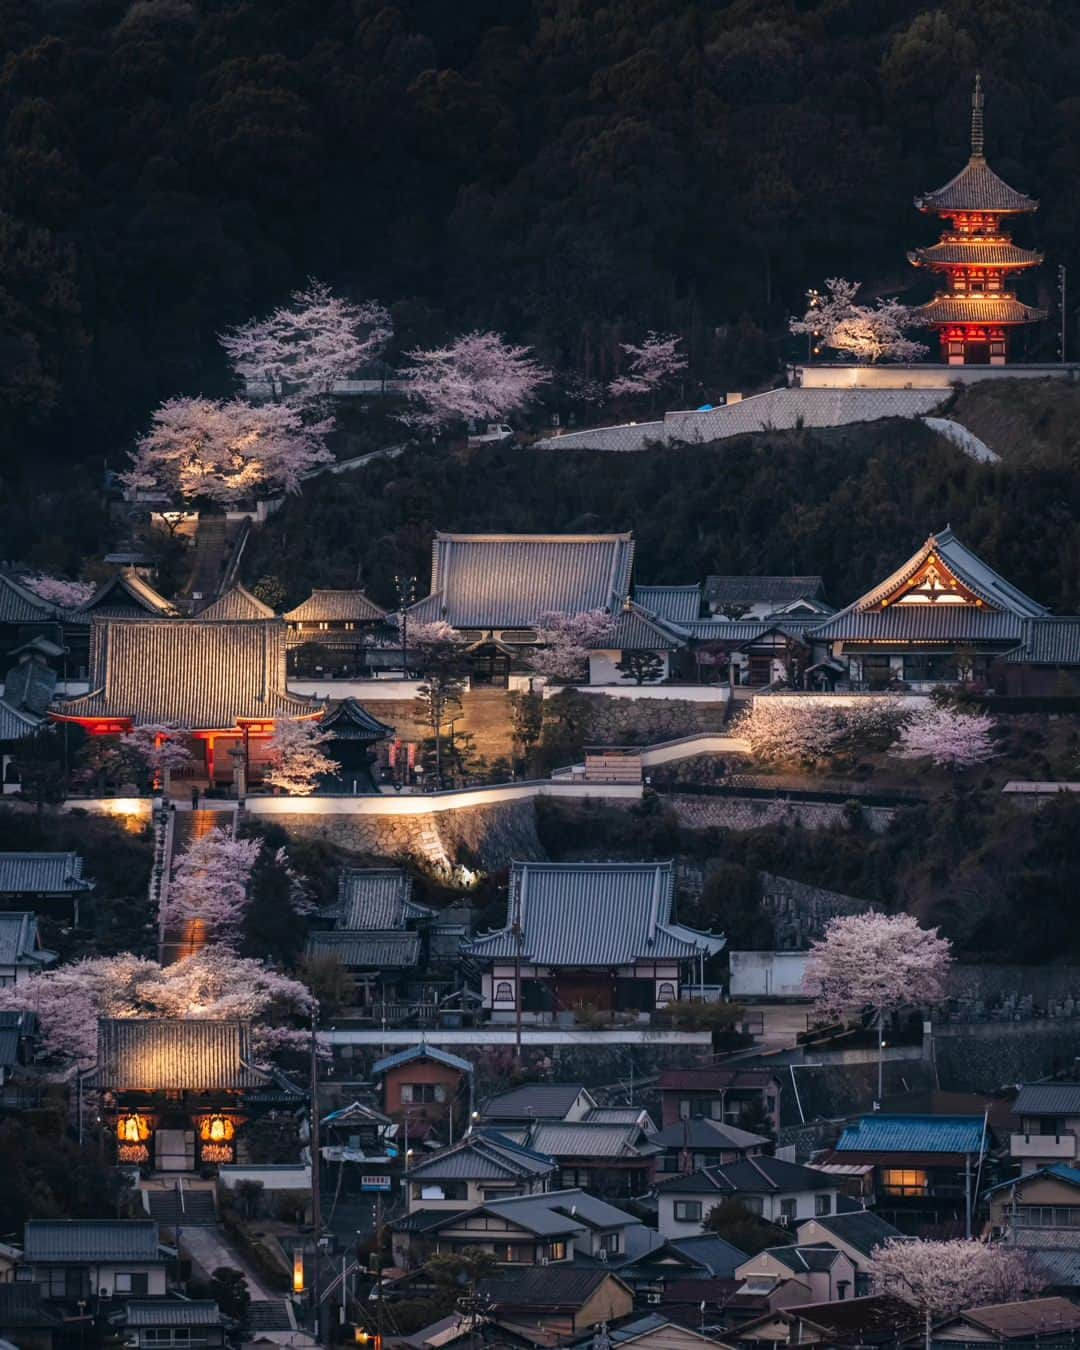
pixel 753 813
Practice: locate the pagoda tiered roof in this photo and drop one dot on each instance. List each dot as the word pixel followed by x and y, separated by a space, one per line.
pixel 999 253
pixel 977 309
pixel 976 188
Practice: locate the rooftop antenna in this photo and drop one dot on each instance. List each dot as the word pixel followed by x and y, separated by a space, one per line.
pixel 977 139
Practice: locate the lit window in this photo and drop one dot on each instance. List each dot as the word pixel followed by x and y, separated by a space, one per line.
pixel 904 1181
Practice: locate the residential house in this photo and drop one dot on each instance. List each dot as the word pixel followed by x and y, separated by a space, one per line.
pixel 171 1324
pixel 1030 1324
pixel 926 1167
pixel 179 1093
pixel 49 883
pixel 656 1332
pixel 857 1233
pixel 20 1086
pixel 26 1321
pixel 425 1086
pixel 613 1160
pixel 588 936
pixel 803 1273
pixel 1049 1116
pixel 683 1264
pixel 363 1143
pixel 553 1304
pixel 730 1095
pixel 1039 1213
pixel 88 1259
pixel 849 1324
pixel 538 1101
pixel 779 1191
pixel 547 1228
pixel 699 1142
pixel 21 952
pixel 621 1115
pixel 482 1166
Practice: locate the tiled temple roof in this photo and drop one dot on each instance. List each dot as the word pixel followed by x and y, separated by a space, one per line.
pixel 635 629
pixel 41 874
pixel 19 942
pixel 1049 641
pixel 237 603
pixel 586 914
pixel 193 1055
pixel 19 604
pixel 977 188
pixel 205 676
pixel 775 591
pixel 679 604
pixel 327 606
pixel 349 720
pixel 368 949
pixel 506 580
pixel 122 594
pixel 376 897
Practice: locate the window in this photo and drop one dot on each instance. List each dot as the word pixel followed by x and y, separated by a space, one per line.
pixel 698 1108
pixel 904 1181
pixel 610 1243
pixel 504 992
pixel 557 1251
pixel 1047 1216
pixel 665 993
pixel 751 1203
pixel 687 1211
pixel 423 1092
pixel 570 1177
pixel 131 1283
pixel 789 1207
pixel 822 1204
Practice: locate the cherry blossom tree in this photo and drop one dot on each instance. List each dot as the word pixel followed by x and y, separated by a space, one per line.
pixel 650 366
pixel 478 376
pixel 303 349
pixel 214 983
pixel 59 591
pixel 437 641
pixel 295 761
pixel 876 962
pixel 210 883
pixel 225 451
pixel 160 746
pixel 949 737
pixel 867 333
pixel 943 1278
pixel 566 640
pixel 791 731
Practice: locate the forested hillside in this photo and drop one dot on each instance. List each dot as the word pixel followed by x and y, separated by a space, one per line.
pixel 565 171
pixel 848 504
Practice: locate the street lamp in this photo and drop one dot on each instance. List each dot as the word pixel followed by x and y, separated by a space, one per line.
pixel 813 301
pixel 406 594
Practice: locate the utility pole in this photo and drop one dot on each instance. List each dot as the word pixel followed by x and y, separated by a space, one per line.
pixel 316 1159
pixel 517 977
pixel 406 594
pixel 1063 278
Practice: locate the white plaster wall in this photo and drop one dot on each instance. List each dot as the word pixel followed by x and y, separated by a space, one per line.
pixel 681 693
pixel 767 974
pixel 602 669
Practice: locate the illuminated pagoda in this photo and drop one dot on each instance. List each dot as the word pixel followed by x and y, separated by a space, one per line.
pixel 976 258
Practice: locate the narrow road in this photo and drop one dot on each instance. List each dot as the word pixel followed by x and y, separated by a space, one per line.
pixel 209 1250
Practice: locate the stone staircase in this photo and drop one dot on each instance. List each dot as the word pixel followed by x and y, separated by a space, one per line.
pixel 194 1209
pixel 211 558
pixel 270 1314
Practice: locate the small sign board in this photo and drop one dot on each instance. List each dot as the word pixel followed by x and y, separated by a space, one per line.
pixel 374 1183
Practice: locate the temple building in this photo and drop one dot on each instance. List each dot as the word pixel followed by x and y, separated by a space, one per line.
pixel 176 1094
pixel 588 934
pixel 944 616
pixel 338 634
pixel 976 259
pixel 224 681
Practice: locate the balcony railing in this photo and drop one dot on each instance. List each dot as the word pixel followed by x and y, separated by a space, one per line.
pixel 1060 1146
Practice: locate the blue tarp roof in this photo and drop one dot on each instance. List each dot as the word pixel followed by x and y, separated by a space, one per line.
pixel 914 1134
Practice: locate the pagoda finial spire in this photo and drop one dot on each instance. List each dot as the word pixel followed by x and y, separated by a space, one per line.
pixel 977 143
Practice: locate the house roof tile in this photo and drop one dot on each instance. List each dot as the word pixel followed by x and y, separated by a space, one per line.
pixel 701 1133
pixel 48 1240
pixel 483 1156
pixel 1051 640
pixel 368 949
pixel 19 604
pixel 544 1289
pixel 15 723
pixel 172 1312
pixel 752 1176
pixel 679 604
pixel 377 897
pixel 422 1051
pixel 860 1229
pixel 125 593
pixel 19 941
pixel 538 1101
pixel 586 914
pixel 583 1139
pixel 914 1134
pixel 755 590
pixel 1047 1099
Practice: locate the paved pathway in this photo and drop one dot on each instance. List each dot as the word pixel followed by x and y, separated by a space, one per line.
pixel 209 1250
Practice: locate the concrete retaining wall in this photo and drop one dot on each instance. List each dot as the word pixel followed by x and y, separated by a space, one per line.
pixel 843 376
pixel 686 747
pixel 672 693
